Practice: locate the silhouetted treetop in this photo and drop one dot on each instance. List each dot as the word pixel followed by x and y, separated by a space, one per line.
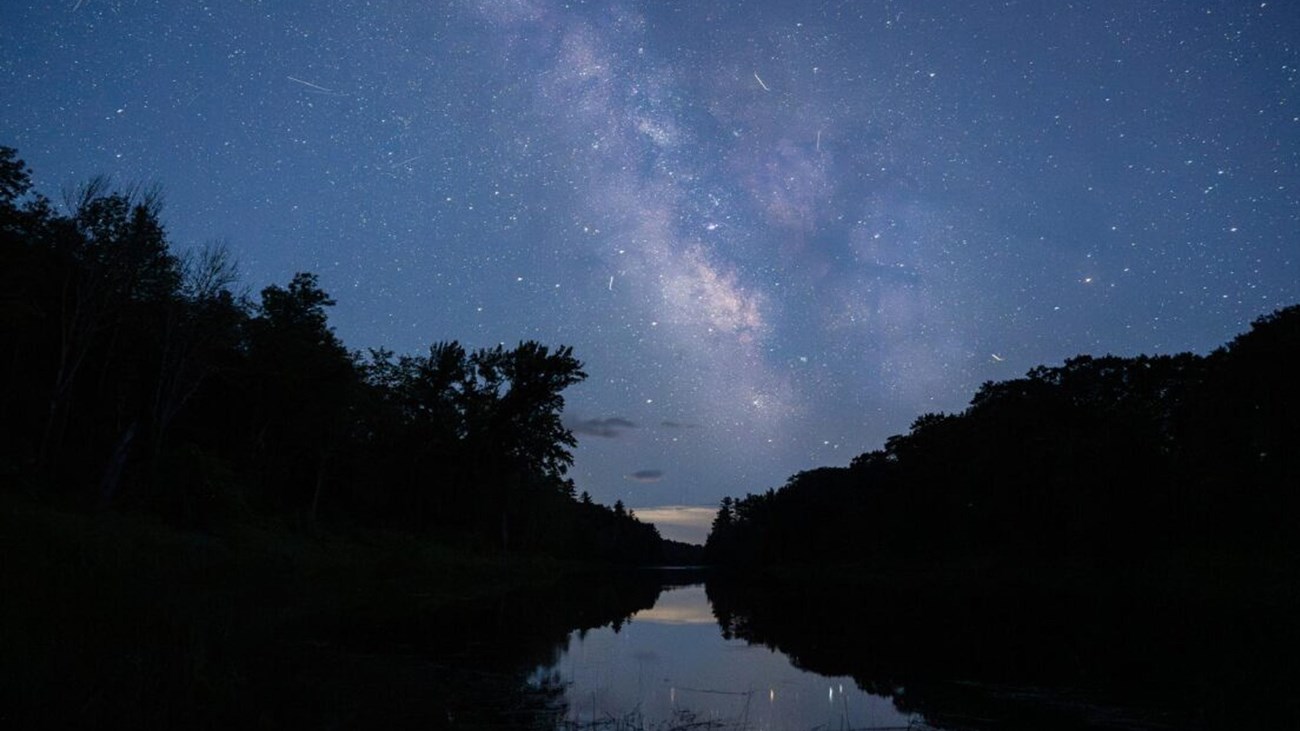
pixel 138 377
pixel 298 310
pixel 1100 459
pixel 15 178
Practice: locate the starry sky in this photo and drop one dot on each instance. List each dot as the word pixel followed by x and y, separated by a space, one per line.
pixel 775 232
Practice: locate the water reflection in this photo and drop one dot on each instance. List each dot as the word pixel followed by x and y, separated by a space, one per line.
pixel 685 605
pixel 670 667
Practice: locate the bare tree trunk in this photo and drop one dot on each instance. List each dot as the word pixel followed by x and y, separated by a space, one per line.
pixel 113 473
pixel 320 482
pixel 75 336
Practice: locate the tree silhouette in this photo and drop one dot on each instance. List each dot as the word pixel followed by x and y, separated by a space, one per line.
pixel 303 378
pixel 15 179
pixel 1100 461
pixel 136 378
pixel 115 264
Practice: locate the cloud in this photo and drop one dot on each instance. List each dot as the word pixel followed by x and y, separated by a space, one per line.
pixel 610 428
pixel 686 523
pixel 668 424
pixel 646 475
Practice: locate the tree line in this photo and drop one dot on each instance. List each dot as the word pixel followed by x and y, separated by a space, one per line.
pixel 1097 461
pixel 138 377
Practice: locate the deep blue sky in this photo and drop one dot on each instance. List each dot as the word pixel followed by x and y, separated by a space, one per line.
pixel 776 232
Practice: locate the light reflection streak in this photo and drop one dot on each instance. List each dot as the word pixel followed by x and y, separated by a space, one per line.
pixel 699 676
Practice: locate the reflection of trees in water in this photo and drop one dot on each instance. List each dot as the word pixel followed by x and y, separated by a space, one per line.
pixel 491 648
pixel 998 654
pixel 467 665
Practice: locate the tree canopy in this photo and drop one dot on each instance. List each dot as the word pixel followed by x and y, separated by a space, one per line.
pixel 1096 461
pixel 138 377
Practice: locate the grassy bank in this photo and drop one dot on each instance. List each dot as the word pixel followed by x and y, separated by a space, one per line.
pixel 111 620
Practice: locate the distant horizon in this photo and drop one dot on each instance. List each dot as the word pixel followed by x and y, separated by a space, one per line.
pixel 683 523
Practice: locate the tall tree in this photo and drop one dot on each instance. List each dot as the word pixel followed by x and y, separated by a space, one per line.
pixel 116 256
pixel 198 325
pixel 304 380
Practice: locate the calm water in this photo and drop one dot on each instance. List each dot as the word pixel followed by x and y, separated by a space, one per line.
pixel 671 667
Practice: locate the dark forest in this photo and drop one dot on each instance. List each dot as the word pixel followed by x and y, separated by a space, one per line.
pixel 1123 527
pixel 139 378
pixel 1098 462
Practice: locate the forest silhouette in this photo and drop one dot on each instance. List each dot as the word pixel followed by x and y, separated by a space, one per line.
pixel 1099 462
pixel 1108 543
pixel 140 378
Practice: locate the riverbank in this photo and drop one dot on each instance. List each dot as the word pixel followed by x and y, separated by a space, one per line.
pixel 121 620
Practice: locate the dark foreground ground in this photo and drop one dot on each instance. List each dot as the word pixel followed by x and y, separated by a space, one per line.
pixel 120 621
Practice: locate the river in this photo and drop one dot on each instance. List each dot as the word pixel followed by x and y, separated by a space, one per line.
pixel 672 667
pixel 736 653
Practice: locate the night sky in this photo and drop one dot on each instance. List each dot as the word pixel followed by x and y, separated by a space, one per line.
pixel 775 232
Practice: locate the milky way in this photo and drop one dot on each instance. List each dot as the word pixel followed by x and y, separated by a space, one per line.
pixel 774 232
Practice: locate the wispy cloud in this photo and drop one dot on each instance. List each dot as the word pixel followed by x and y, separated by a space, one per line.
pixel 686 523
pixel 609 428
pixel 646 476
pixel 678 425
